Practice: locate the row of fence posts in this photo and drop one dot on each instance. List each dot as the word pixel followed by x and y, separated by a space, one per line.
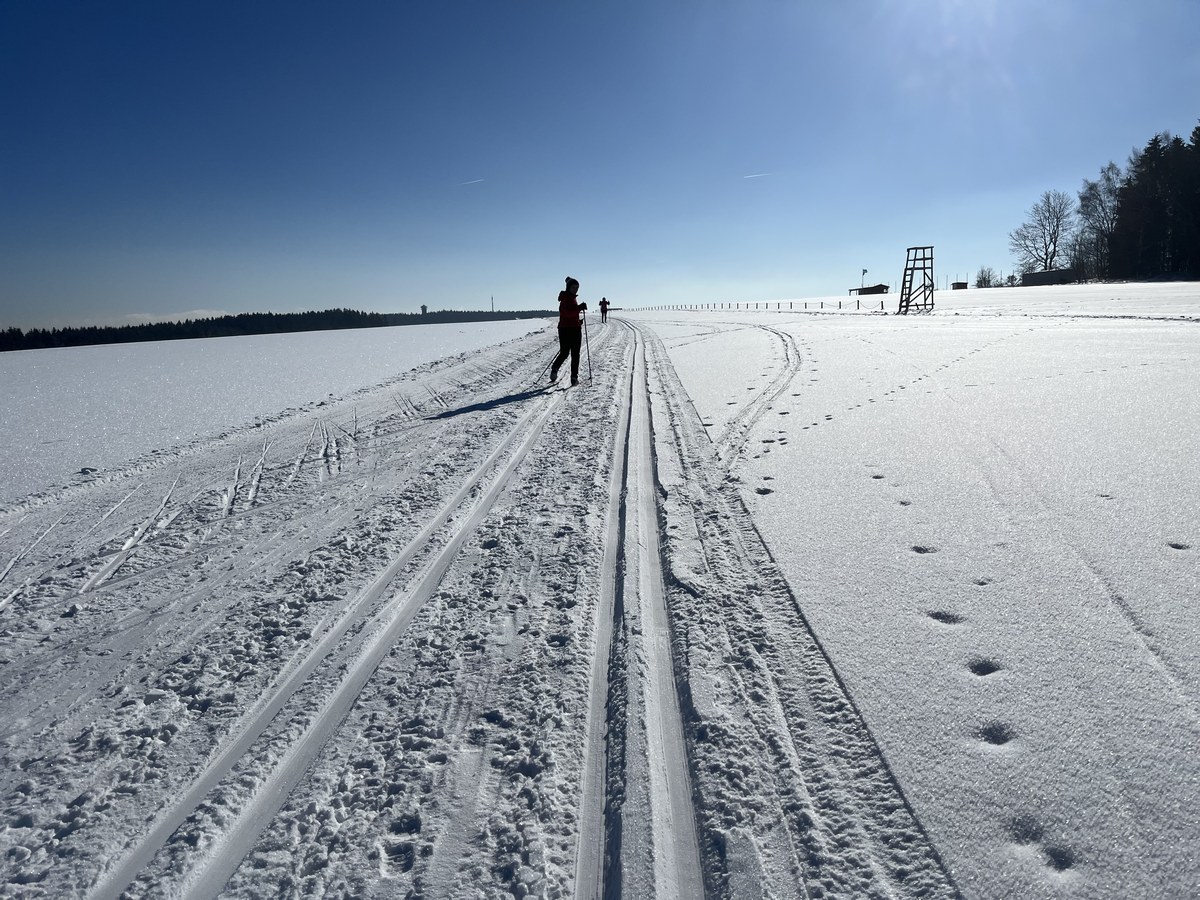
pixel 767 306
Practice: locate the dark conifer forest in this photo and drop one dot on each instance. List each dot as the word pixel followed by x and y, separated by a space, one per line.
pixel 244 323
pixel 1156 231
pixel 1140 223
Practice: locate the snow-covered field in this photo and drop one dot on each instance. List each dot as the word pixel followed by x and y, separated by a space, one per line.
pixel 775 605
pixel 101 407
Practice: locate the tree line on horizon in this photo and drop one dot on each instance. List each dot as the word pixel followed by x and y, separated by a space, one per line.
pixel 1139 223
pixel 239 324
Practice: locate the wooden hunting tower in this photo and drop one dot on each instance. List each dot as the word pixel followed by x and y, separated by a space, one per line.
pixel 916 290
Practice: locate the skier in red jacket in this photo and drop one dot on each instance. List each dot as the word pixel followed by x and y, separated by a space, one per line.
pixel 570 330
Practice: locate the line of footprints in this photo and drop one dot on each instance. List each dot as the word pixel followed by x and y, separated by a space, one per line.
pixel 1024 829
pixel 782 438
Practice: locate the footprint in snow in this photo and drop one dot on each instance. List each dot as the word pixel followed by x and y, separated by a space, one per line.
pixel 946 618
pixel 407 823
pixel 984 667
pixel 1026 830
pixel 401 855
pixel 1058 857
pixel 997 733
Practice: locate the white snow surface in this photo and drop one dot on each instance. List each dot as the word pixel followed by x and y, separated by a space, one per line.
pixel 99 407
pixel 775 604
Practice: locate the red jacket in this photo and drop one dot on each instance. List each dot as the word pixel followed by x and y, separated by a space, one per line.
pixel 568 310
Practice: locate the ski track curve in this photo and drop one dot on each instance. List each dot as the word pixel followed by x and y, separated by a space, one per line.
pixel 454 636
pixel 733 439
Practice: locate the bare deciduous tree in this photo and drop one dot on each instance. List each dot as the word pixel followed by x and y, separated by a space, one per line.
pixel 1098 219
pixel 1038 243
pixel 986 277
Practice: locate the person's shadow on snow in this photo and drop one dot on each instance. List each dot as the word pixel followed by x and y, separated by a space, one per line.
pixel 489 404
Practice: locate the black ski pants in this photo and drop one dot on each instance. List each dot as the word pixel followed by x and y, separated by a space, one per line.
pixel 569 341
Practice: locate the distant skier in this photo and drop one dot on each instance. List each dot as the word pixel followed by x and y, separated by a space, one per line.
pixel 570 330
pixel 603 309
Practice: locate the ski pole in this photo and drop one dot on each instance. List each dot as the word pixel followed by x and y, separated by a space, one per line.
pixel 588 343
pixel 548 365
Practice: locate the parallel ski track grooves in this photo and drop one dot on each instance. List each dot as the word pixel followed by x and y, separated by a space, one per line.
pixel 599 812
pixel 135 540
pixel 739 426
pixel 145 539
pixel 21 555
pixel 654 852
pixel 508 360
pixel 823 725
pixel 386 625
pixel 198 537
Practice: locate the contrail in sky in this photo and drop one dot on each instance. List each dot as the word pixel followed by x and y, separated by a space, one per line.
pixel 476 181
pixel 760 175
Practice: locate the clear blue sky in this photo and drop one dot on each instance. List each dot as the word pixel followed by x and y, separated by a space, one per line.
pixel 159 158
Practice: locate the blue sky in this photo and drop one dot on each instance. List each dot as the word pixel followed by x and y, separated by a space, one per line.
pixel 161 158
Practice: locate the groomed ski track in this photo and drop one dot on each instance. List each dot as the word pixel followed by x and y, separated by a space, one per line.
pixel 455 636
